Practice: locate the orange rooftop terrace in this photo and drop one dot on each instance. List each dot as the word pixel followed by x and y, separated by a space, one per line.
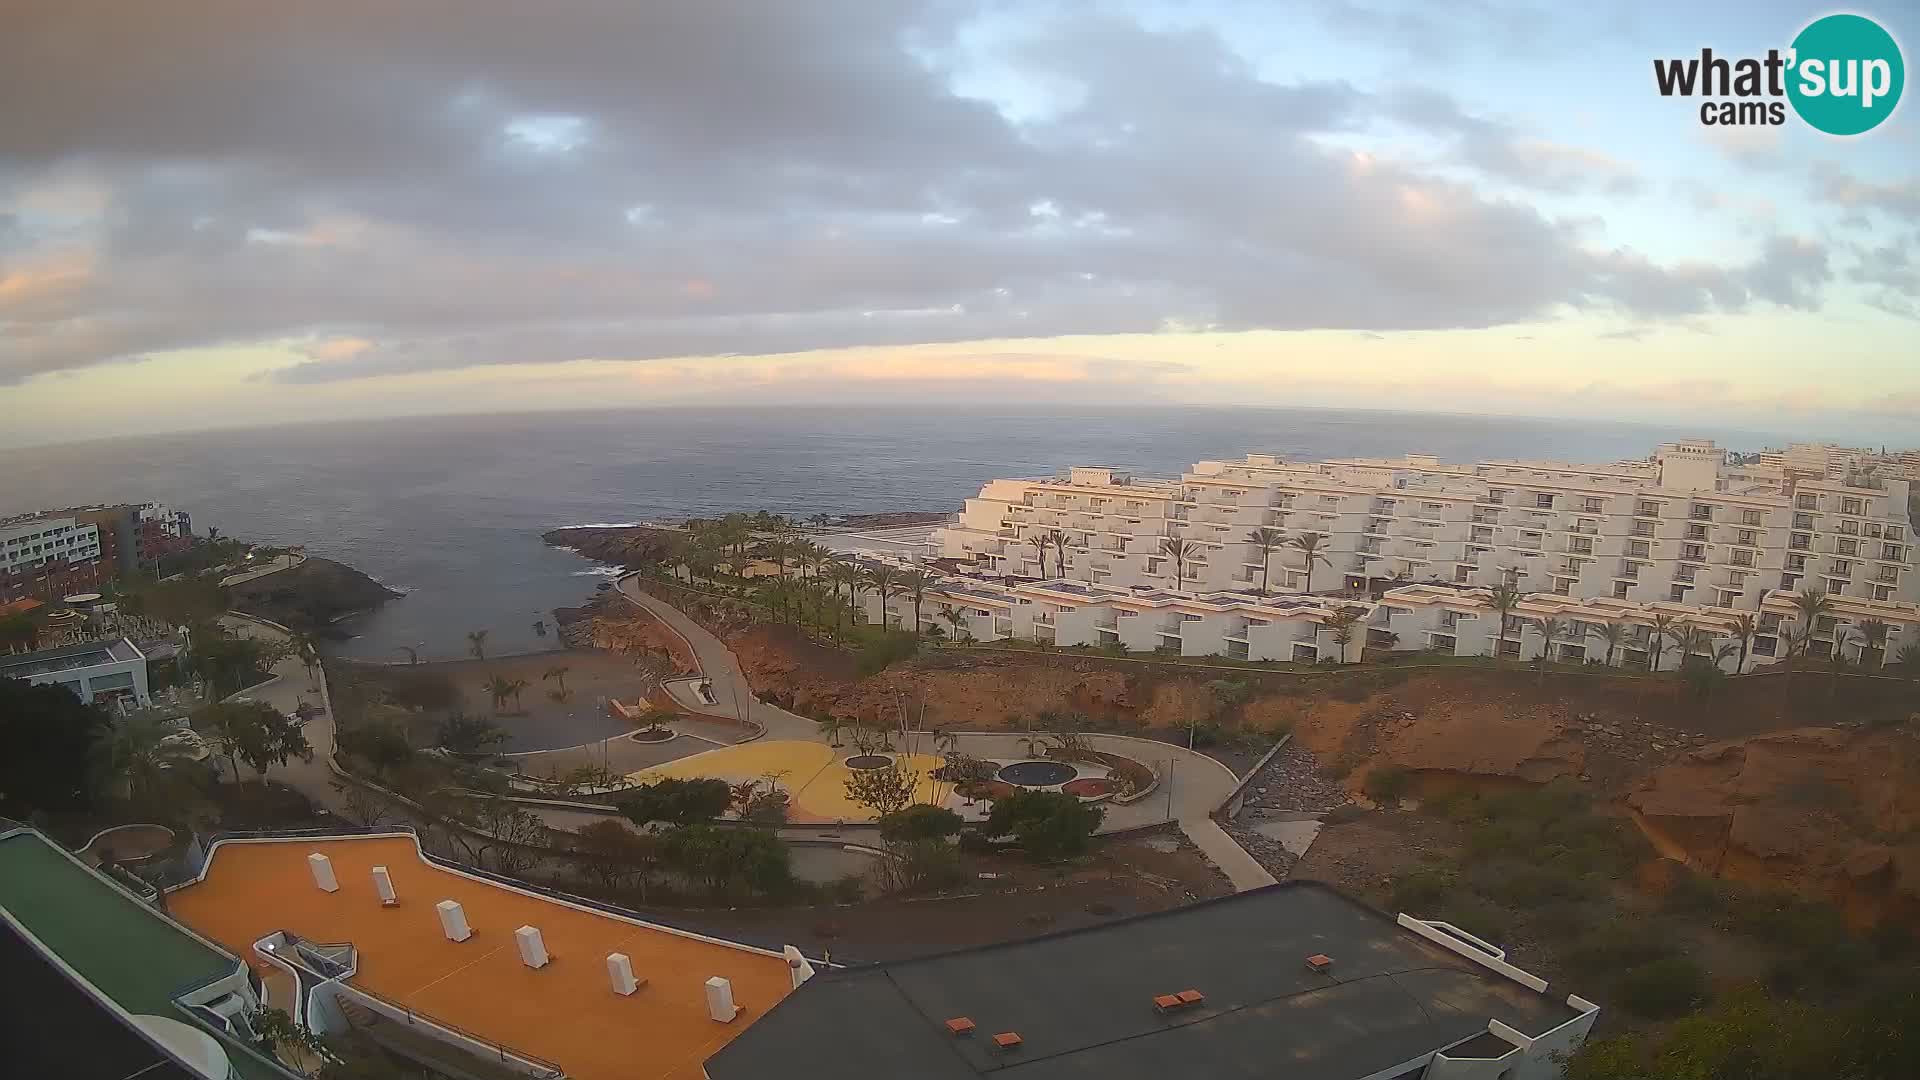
pixel 565 1012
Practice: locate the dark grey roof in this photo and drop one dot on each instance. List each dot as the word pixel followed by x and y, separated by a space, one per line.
pixel 1082 1001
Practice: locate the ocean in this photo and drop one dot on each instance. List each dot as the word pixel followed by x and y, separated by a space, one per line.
pixel 449 510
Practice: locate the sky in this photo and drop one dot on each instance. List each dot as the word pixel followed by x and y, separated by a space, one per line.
pixel 229 213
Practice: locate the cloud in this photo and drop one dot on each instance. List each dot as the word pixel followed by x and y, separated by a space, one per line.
pixel 611 182
pixel 1898 198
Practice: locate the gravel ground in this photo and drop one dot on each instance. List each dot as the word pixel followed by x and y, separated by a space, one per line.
pixel 1290 787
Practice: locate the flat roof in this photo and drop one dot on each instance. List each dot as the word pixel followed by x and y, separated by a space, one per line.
pixel 129 952
pixel 52 1027
pixel 68 658
pixel 565 1012
pixel 1082 1001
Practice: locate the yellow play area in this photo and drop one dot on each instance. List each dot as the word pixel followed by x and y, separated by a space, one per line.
pixel 814 774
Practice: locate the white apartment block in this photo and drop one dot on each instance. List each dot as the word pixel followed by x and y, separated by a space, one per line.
pixel 1681 527
pixel 34 543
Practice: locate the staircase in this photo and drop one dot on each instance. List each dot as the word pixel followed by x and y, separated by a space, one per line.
pixel 358 1016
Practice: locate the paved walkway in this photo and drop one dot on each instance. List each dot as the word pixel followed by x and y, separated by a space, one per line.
pixel 1192 784
pixel 290 689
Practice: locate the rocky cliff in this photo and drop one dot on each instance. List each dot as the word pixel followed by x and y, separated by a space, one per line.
pixel 311 596
pixel 631 546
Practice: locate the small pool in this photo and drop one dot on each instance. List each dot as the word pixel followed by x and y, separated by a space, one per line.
pixel 1037 773
pixel 863 762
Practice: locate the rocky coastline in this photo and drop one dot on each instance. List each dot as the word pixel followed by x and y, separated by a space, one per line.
pixel 310 597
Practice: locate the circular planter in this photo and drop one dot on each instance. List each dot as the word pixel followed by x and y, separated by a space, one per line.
pixel 658 736
pixel 130 843
pixel 1089 787
pixel 1037 774
pixel 863 762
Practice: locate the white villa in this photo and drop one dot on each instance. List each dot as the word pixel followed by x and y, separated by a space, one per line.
pixel 1679 538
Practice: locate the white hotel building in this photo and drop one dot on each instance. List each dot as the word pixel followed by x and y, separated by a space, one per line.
pixel 1681 534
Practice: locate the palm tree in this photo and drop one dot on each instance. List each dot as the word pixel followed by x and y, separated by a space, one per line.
pixel 1908 661
pixel 840 574
pixel 1681 634
pixel 915 583
pixel 1809 607
pixel 1873 639
pixel 558 673
pixel 1658 632
pixel 1266 540
pixel 1039 543
pixel 1060 540
pixel 1179 550
pixel 962 631
pixel 883 578
pixel 857 583
pixel 1745 626
pixel 514 686
pixel 499 689
pixel 1309 545
pixel 137 748
pixel 307 649
pixel 1613 633
pixel 1503 598
pixel 477 645
pixel 1549 629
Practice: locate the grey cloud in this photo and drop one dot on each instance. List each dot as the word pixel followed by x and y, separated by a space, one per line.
pixel 1500 150
pixel 1900 199
pixel 754 178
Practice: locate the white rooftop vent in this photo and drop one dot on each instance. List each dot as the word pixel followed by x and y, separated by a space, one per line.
pixel 383 884
pixel 322 868
pixel 620 974
pixel 720 1004
pixel 533 950
pixel 453 920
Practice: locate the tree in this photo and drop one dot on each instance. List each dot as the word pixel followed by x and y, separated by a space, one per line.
pixel 1659 632
pixel 674 801
pixel 383 746
pixel 1613 633
pixel 19 632
pixel 1268 541
pixel 307 648
pixel 617 855
pixel 477 645
pixel 1038 541
pixel 1503 598
pixel 915 583
pixel 558 673
pixel 1060 541
pixel 882 579
pixel 229 662
pixel 730 861
pixel 48 735
pixel 956 618
pixel 1309 545
pixel 514 686
pixel 253 732
pixel 1341 623
pixel 1050 825
pixel 468 736
pixel 885 790
pixel 842 575
pixel 140 749
pixel 1179 550
pixel 1549 629
pixel 830 727
pixel 1702 675
pixel 1873 642
pixel 1746 626
pixel 499 689
pixel 276 1030
pixel 1908 661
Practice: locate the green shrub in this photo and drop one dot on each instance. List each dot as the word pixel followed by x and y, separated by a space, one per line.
pixel 1388 784
pixel 1694 894
pixel 1662 989
pixel 1617 945
pixel 1526 885
pixel 1420 891
pixel 884 650
pixel 1048 824
pixel 920 823
pixel 1475 916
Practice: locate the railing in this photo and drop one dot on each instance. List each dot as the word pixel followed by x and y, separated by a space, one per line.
pixel 535 1066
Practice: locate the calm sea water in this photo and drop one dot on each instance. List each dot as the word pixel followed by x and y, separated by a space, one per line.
pixel 450 509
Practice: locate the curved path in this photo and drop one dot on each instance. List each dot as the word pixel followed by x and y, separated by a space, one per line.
pixel 1191 785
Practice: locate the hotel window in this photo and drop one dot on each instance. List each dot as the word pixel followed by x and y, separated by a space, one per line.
pixel 1684 573
pixel 1696 532
pixel 1891 551
pixel 1851 528
pixel 1619 590
pixel 1747 538
pixel 1743 558
pixel 1639 549
pixel 1825 624
pixel 1800 541
pixel 1695 552
pixel 1460 574
pixel 1882 592
pixel 1889 574
pixel 1893 532
pixel 1749 517
pixel 1852 506
pixel 1846 547
pixel 1647 509
pixel 1803 521
pixel 1593 505
pixel 1497 496
pixel 1842 568
pixel 1728 598
pixel 1329 500
pixel 1677 594
pixel 1796 563
pixel 1582 546
pixel 1788 581
pixel 1542 500
pixel 1807 502
pixel 1643 528
pixel 1702 513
